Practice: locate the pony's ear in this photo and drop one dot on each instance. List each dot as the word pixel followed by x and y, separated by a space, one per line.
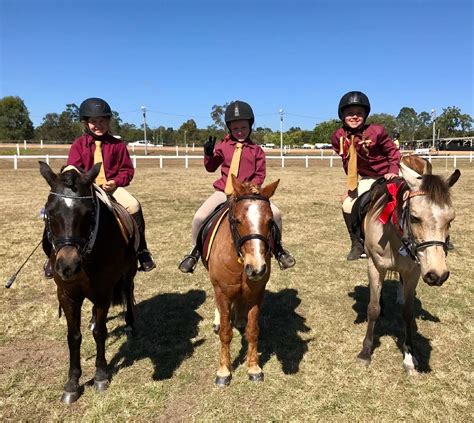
pixel 47 173
pixel 90 176
pixel 453 178
pixel 412 178
pixel 269 190
pixel 238 187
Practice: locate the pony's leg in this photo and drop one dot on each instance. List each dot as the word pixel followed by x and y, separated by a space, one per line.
pixel 400 299
pixel 72 311
pixel 92 321
pixel 254 371
pixel 216 325
pixel 376 278
pixel 239 314
pixel 101 378
pixel 409 360
pixel 225 334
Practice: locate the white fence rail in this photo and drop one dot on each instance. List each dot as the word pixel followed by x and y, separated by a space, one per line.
pixel 186 158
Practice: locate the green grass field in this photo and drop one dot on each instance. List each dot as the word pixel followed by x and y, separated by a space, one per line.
pixel 312 324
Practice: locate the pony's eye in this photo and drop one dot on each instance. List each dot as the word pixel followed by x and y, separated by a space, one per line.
pixel 414 219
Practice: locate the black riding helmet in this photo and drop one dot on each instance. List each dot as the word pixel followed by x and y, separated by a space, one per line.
pixel 353 98
pixel 239 110
pixel 94 107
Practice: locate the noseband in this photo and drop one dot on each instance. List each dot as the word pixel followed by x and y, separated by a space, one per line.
pixel 408 240
pixel 238 240
pixel 83 245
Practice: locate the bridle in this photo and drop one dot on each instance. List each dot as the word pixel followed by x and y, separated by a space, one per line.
pixel 239 240
pixel 408 238
pixel 83 244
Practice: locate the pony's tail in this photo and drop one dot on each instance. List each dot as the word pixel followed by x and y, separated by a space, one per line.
pixel 119 296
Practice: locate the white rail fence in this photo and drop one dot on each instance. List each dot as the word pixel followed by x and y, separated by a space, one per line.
pixel 186 159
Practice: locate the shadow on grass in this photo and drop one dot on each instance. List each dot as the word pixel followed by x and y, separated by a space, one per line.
pixel 280 327
pixel 390 322
pixel 166 326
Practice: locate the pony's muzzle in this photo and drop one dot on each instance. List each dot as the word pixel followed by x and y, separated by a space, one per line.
pixel 433 279
pixel 255 273
pixel 68 263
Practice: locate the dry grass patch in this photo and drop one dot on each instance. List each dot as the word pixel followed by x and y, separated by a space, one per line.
pixel 313 321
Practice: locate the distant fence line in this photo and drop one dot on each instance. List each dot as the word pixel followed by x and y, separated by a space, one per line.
pixel 186 158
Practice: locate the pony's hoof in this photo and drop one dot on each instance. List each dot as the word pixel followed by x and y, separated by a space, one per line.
pixel 256 377
pixel 363 360
pixel 411 371
pixel 101 385
pixel 223 381
pixel 70 397
pixel 216 329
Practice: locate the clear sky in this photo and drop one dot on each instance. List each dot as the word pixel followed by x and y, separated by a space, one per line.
pixel 180 57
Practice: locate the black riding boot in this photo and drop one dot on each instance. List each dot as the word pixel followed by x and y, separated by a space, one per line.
pixel 143 255
pixel 190 261
pixel 357 248
pixel 284 258
pixel 47 248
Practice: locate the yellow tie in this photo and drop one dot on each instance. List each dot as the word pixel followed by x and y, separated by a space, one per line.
pixel 100 180
pixel 234 168
pixel 352 167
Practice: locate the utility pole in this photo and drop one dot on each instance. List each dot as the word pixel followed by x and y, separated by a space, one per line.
pixel 281 131
pixel 433 114
pixel 144 129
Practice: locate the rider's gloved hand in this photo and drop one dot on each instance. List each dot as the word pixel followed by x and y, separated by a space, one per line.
pixel 209 146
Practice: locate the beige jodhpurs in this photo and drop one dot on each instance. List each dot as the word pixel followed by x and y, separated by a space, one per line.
pixel 218 197
pixel 363 186
pixel 127 200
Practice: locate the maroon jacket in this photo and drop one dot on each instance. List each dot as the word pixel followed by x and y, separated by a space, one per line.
pixel 117 163
pixel 252 166
pixel 377 154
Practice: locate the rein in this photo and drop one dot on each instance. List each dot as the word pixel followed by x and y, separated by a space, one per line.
pixel 409 243
pixel 239 240
pixel 83 245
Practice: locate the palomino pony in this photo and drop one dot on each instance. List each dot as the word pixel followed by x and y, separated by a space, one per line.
pixel 239 269
pixel 92 260
pixel 412 242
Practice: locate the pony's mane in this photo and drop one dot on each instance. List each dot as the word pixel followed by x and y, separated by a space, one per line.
pixel 249 188
pixel 70 179
pixel 436 189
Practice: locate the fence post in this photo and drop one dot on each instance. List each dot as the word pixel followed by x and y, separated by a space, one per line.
pixel 186 161
pixel 306 162
pixel 330 161
pixel 161 162
pixel 15 162
pixel 470 157
pixel 17 149
pixel 47 159
pixel 41 144
pixel 282 161
pixel 24 144
pixel 134 159
pixel 177 154
pixel 455 161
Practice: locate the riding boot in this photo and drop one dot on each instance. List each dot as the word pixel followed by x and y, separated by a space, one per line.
pixel 143 255
pixel 190 261
pixel 357 248
pixel 47 248
pixel 284 257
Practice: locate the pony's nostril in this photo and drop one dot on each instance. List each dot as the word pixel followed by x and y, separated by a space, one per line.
pixel 248 270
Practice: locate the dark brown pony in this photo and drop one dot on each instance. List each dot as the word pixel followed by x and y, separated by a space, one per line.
pixel 239 269
pixel 92 260
pixel 414 244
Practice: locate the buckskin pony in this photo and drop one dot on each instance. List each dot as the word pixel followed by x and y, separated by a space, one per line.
pixel 239 268
pixel 91 259
pixel 406 230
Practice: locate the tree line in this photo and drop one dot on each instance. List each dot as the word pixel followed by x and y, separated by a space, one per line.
pixel 64 127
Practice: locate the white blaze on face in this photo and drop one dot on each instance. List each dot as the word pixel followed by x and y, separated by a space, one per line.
pixel 254 217
pixel 68 202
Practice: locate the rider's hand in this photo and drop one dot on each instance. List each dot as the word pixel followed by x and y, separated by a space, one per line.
pixel 209 146
pixel 389 176
pixel 109 186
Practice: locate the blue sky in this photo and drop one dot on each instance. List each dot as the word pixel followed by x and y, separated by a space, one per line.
pixel 179 58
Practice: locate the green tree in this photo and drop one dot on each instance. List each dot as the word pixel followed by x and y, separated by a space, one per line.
pixel 407 123
pixel 217 115
pixel 323 131
pixel 15 123
pixel 452 123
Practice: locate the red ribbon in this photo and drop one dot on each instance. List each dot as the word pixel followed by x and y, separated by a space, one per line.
pixel 387 211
